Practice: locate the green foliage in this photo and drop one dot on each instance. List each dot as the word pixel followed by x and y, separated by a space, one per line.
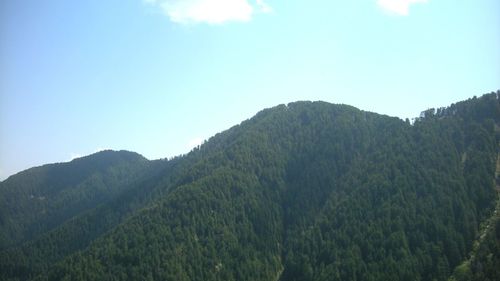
pixel 307 191
pixel 40 199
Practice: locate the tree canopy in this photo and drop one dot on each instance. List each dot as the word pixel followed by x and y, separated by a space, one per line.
pixel 304 191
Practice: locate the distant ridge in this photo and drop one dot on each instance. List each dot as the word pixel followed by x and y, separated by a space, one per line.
pixel 40 198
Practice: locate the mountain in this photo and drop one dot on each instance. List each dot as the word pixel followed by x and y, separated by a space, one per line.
pixel 39 199
pixel 304 191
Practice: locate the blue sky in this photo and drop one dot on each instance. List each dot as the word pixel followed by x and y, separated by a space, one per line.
pixel 158 76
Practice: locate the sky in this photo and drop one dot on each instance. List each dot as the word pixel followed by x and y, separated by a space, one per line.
pixel 160 76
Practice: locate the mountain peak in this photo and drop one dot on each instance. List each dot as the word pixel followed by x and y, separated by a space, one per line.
pixel 303 191
pixel 111 155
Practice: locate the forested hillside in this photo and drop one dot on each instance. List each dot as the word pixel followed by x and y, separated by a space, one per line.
pixel 304 191
pixel 39 199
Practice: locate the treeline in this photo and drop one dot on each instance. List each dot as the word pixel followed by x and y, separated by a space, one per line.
pixel 305 191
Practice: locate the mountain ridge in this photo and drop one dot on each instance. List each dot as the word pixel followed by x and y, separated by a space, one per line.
pixel 60 183
pixel 304 191
pixel 78 159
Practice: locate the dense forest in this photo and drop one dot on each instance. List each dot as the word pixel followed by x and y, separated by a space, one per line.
pixel 304 191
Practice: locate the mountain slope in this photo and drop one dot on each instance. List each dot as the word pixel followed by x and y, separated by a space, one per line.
pixel 39 199
pixel 36 255
pixel 307 191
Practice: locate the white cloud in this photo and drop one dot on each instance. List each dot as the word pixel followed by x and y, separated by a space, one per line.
pixel 192 143
pixel 74 155
pixel 399 7
pixel 210 11
pixel 264 7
